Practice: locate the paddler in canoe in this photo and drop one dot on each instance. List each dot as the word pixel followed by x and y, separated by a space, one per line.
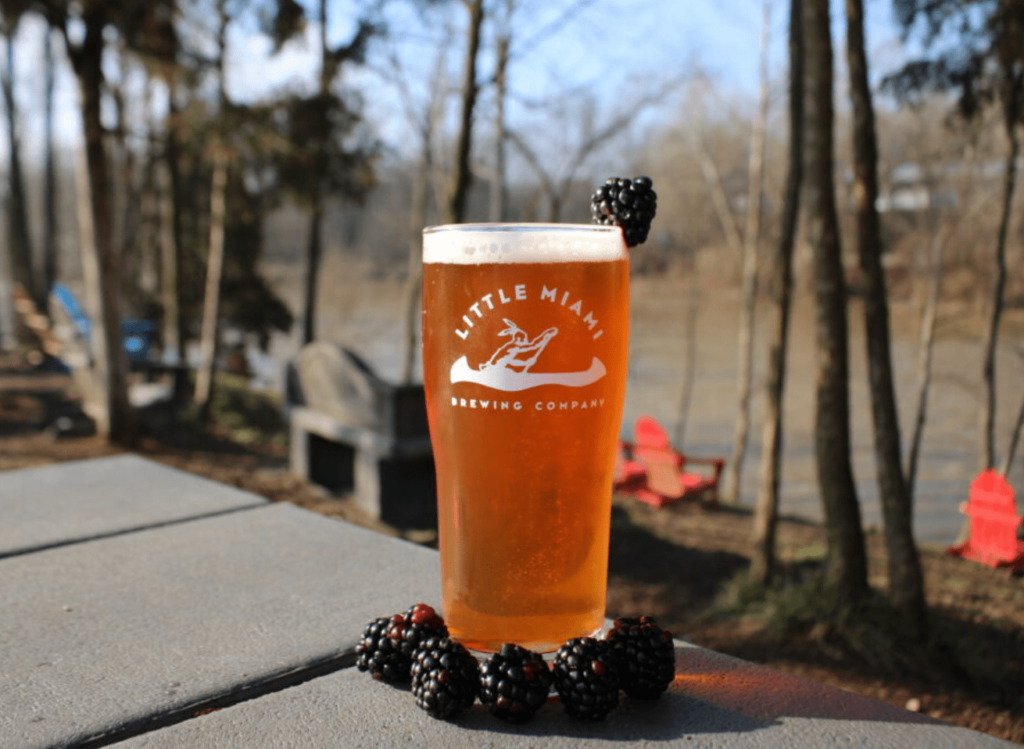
pixel 521 352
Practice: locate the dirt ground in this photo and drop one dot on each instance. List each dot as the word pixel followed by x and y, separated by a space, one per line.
pixel 671 563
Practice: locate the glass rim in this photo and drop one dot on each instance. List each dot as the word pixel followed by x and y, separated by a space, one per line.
pixel 507 227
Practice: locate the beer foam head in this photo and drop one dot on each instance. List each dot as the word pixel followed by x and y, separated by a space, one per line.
pixel 477 244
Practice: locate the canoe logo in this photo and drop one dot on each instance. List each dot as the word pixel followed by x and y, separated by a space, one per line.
pixel 509 367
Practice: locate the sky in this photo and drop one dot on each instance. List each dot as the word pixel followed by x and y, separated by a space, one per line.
pixel 608 47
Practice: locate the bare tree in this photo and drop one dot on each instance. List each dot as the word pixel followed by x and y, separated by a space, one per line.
pixel 208 338
pixel 846 562
pixel 51 228
pixel 462 176
pixel 762 564
pixel 19 239
pixel 502 47
pixel 115 419
pixel 690 366
pixel 983 63
pixel 314 247
pixel 172 330
pixel 425 122
pixel 558 184
pixel 751 236
pixel 1014 441
pixel 940 240
pixel 1012 98
pixel 906 583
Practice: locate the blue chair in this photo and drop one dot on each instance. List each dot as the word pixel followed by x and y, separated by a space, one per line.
pixel 138 336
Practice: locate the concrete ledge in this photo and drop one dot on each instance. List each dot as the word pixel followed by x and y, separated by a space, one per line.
pixel 392 479
pixel 380 444
pixel 105 636
pixel 716 701
pixel 79 500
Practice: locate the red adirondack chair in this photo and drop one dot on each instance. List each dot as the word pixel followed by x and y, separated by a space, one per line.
pixel 652 471
pixel 992 510
pixel 628 473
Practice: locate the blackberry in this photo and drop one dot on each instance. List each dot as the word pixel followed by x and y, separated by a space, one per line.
pixel 628 203
pixel 387 645
pixel 646 655
pixel 379 655
pixel 514 683
pixel 445 677
pixel 586 675
pixel 419 623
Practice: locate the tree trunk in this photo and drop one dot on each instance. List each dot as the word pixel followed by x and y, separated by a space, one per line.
pixel 762 565
pixel 847 563
pixel 414 275
pixel 456 210
pixel 50 225
pixel 19 240
pixel 751 235
pixel 149 225
pixel 906 584
pixel 314 252
pixel 719 198
pixel 170 330
pixel 498 188
pixel 990 335
pixel 117 422
pixel 209 336
pixel 314 247
pixel 1014 441
pixel 924 362
pixel 690 368
pixel 211 299
pixel 171 235
pixel 419 202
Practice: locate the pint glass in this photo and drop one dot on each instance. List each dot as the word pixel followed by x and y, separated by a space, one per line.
pixel 525 342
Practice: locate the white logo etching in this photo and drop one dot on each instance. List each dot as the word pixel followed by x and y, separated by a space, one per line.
pixel 508 369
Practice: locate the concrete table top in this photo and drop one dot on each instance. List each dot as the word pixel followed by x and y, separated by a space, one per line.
pixel 79 500
pixel 716 701
pixel 102 636
pixel 236 629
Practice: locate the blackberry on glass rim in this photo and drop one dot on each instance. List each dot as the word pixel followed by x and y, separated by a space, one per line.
pixel 628 203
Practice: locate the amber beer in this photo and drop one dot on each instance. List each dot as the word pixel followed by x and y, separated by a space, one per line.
pixel 525 341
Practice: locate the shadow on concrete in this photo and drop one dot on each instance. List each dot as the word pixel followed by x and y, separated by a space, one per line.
pixel 691 578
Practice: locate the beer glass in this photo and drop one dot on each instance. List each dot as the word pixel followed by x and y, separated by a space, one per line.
pixel 525 342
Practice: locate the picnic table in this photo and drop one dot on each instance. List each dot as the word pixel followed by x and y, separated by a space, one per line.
pixel 141 606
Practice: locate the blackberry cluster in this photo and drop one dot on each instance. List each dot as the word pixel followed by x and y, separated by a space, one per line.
pixel 586 675
pixel 514 683
pixel 445 678
pixel 646 656
pixel 637 657
pixel 628 203
pixel 387 646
